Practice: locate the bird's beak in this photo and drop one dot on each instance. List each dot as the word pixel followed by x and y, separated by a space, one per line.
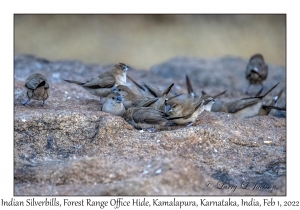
pixel 255 69
pixel 126 68
pixel 119 99
pixel 168 108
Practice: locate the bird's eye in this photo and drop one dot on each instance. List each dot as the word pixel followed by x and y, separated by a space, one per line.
pixel 113 97
pixel 174 105
pixel 119 89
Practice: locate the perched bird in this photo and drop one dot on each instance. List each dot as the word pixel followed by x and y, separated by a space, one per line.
pixel 256 71
pixel 246 107
pixel 101 86
pixel 184 111
pixel 145 118
pixel 188 110
pixel 270 104
pixel 113 105
pixel 128 97
pixel 37 88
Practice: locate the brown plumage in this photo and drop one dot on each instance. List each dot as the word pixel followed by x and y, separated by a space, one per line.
pixel 102 84
pixel 184 111
pixel 37 88
pixel 246 107
pixel 187 110
pixel 256 71
pixel 145 118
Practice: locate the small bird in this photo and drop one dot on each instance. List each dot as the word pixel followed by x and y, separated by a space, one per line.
pixel 246 107
pixel 113 105
pixel 256 71
pixel 184 111
pixel 101 86
pixel 145 118
pixel 37 88
pixel 188 110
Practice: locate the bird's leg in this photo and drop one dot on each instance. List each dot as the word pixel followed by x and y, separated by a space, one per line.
pixel 43 103
pixel 247 91
pixel 190 124
pixel 151 130
pixel 25 102
pixel 169 123
pixel 102 100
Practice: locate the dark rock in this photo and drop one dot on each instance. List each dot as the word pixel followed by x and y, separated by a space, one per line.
pixel 71 147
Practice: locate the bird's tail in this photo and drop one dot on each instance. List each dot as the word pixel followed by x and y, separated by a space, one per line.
pixel 219 94
pixel 274 107
pixel 276 98
pixel 261 97
pixel 134 82
pixel 189 86
pixel 167 90
pixel 72 81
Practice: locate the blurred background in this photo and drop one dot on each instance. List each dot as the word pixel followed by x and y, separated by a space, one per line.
pixel 143 41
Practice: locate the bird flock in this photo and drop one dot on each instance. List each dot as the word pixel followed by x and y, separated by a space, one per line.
pixel 153 108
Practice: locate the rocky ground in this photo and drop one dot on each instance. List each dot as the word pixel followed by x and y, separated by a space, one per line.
pixel 71 147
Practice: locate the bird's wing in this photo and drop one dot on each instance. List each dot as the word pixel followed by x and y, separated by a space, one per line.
pixel 35 82
pixel 241 104
pixel 150 116
pixel 104 82
pixel 263 72
pixel 145 103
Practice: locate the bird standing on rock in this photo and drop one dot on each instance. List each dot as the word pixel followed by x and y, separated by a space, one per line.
pixel 101 86
pixel 187 110
pixel 256 71
pixel 37 88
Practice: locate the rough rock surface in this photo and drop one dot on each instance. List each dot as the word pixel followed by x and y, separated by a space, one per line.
pixel 71 147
